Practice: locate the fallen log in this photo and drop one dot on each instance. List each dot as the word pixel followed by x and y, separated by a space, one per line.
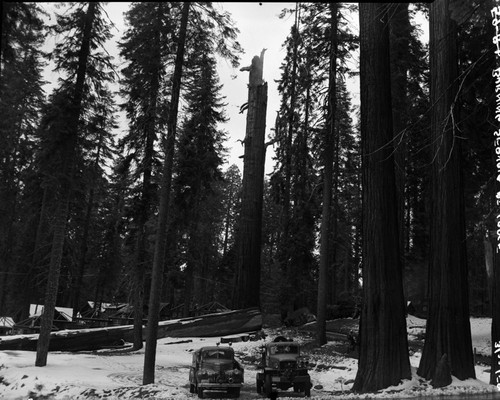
pixel 209 325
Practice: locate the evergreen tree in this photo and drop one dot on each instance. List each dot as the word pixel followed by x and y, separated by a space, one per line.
pixel 327 181
pixel 74 57
pixel 383 353
pixel 222 37
pixel 145 47
pixel 304 146
pixel 199 159
pixel 21 100
pixel 448 325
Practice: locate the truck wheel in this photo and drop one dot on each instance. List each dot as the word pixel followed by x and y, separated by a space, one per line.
pixel 234 392
pixel 200 393
pixel 191 388
pixel 259 386
pixel 268 385
pixel 307 389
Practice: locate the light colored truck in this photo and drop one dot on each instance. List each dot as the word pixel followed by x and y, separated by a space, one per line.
pixel 283 367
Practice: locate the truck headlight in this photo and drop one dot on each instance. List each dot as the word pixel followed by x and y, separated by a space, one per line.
pixel 203 373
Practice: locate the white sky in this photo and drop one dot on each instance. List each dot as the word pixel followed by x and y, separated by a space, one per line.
pixel 260 28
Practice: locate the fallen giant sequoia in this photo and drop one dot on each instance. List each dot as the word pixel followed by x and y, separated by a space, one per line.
pixel 209 325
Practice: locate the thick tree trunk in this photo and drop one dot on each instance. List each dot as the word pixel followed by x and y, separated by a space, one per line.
pixel 161 232
pixel 250 225
pixel 495 307
pixel 328 151
pixel 448 324
pixel 383 354
pixel 64 191
pixel 399 39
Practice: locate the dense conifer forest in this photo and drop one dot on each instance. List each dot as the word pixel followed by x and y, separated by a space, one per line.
pixel 369 208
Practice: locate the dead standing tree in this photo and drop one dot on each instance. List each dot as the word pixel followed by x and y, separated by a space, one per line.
pixel 250 224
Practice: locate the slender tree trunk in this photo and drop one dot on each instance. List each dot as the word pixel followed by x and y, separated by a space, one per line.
pixel 139 284
pixel 448 323
pixel 285 237
pixel 63 198
pixel 324 260
pixel 52 280
pixel 383 354
pixel 78 279
pixel 193 262
pixel 161 233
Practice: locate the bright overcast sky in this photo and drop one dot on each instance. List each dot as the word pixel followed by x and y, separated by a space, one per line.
pixel 260 28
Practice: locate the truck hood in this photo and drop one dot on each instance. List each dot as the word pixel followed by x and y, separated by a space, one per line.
pixel 217 364
pixel 283 357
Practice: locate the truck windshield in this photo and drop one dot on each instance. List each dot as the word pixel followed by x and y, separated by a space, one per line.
pixel 217 353
pixel 288 349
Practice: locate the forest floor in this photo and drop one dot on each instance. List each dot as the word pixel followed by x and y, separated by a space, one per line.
pixel 117 373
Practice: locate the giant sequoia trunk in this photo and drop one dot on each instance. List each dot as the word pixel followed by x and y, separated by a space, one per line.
pixel 327 182
pixel 64 190
pixel 399 42
pixel 383 354
pixel 448 325
pixel 250 224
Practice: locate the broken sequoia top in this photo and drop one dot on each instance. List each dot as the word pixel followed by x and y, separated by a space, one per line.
pixel 256 70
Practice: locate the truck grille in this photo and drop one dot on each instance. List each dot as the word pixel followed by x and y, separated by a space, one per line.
pixel 288 364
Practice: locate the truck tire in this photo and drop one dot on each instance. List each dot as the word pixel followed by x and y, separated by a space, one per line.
pixel 259 385
pixel 200 393
pixel 191 388
pixel 234 392
pixel 268 385
pixel 307 389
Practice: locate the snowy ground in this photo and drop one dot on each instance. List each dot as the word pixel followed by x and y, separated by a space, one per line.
pixel 117 374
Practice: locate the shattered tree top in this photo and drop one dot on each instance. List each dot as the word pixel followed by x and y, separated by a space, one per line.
pixel 256 70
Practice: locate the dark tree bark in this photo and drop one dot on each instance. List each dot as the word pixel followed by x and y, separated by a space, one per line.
pixel 64 189
pixel 328 154
pixel 76 283
pixel 399 39
pixel 141 256
pixel 166 184
pixel 250 223
pixel 284 247
pixel 383 354
pixel 448 324
pixel 495 307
